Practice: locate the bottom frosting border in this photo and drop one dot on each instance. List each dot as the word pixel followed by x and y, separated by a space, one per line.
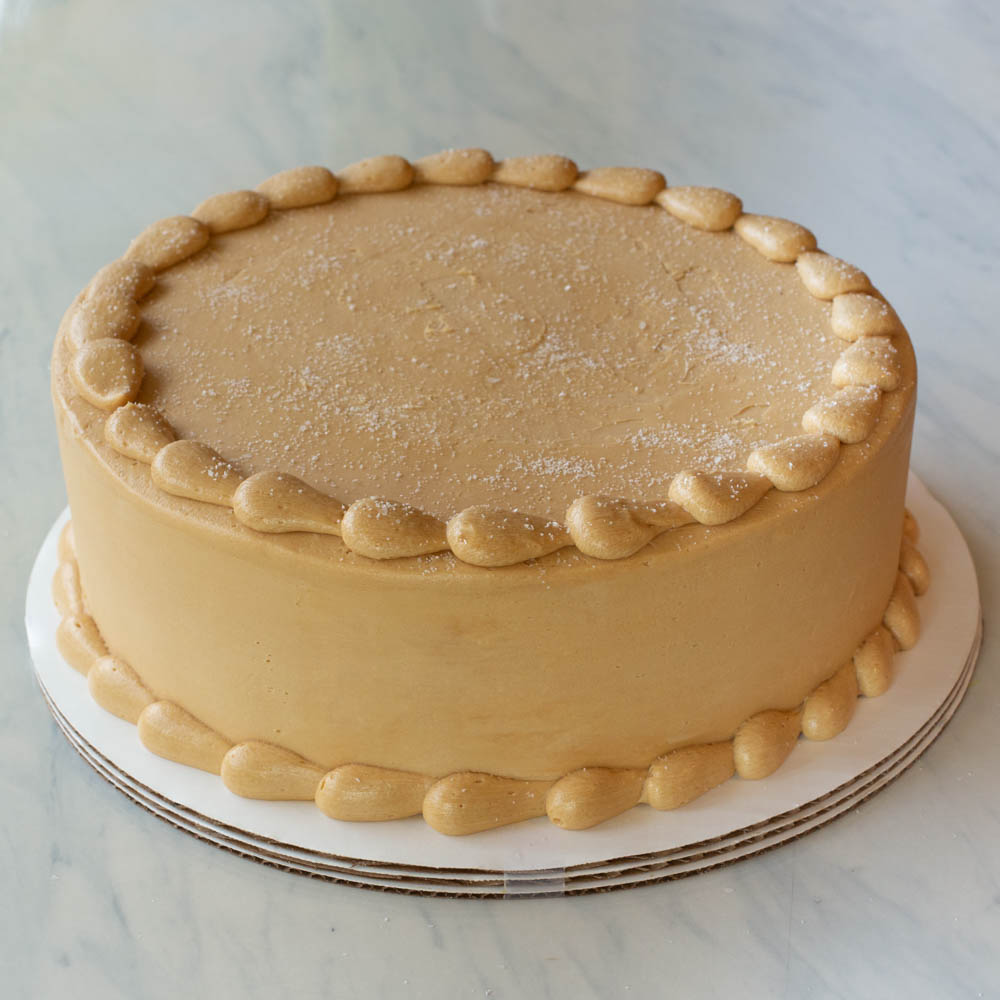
pixel 468 802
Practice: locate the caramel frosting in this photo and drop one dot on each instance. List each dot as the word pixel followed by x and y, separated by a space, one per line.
pixel 466 802
pixel 504 318
pixel 483 489
pixel 490 345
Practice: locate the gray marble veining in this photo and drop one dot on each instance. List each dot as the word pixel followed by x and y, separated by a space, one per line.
pixel 876 124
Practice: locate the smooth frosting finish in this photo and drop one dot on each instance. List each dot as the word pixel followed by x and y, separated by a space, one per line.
pixel 465 802
pixel 483 345
pixel 705 615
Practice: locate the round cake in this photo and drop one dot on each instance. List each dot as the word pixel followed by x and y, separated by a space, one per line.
pixel 483 489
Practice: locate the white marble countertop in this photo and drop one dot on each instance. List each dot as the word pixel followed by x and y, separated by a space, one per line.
pixel 875 124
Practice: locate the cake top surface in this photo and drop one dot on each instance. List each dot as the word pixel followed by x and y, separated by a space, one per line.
pixel 452 346
pixel 500 359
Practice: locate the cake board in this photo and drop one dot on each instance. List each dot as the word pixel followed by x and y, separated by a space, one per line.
pixel 738 819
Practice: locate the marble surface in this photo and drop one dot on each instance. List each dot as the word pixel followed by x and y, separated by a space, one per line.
pixel 876 124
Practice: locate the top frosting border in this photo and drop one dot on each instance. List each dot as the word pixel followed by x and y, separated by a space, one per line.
pixel 107 372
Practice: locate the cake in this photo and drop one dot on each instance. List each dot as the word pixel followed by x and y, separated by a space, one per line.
pixel 483 490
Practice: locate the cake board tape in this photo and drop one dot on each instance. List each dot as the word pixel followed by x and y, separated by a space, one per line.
pixel 736 817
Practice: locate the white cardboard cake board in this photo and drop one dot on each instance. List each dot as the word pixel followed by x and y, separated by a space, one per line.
pixel 620 873
pixel 737 819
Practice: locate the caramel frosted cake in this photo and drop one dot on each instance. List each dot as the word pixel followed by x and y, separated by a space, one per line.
pixel 483 490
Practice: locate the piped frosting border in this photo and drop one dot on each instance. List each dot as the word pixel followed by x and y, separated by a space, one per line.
pixel 107 372
pixel 470 802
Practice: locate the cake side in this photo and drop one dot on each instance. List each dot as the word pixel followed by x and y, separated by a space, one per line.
pixel 469 802
pixel 527 671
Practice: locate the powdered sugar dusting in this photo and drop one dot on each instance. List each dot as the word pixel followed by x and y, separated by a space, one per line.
pixel 446 347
